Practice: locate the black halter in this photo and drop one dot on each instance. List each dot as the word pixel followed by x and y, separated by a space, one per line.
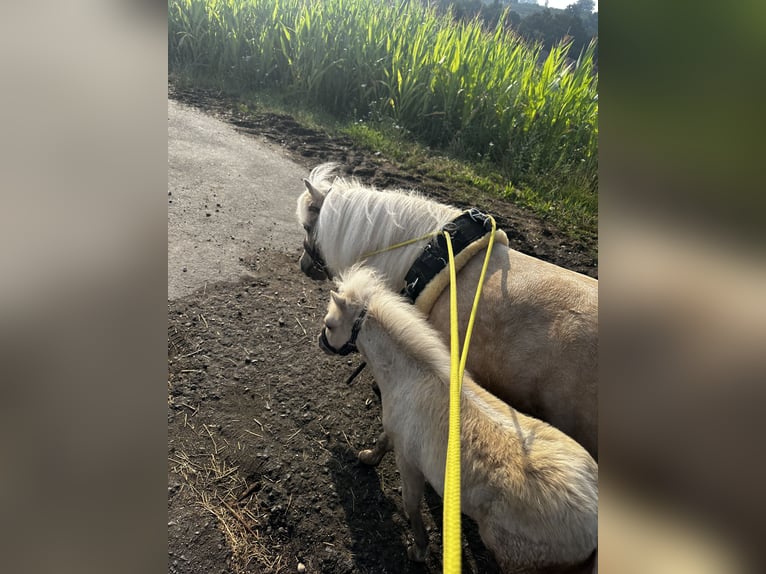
pixel 350 345
pixel 317 261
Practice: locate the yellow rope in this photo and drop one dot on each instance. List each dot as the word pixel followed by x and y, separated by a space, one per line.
pixel 398 245
pixel 469 329
pixel 451 517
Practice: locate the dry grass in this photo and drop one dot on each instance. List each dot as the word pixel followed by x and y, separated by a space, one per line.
pixel 218 488
pixel 214 483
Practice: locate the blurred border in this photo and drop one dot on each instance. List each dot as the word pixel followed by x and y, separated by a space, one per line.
pixel 682 285
pixel 83 287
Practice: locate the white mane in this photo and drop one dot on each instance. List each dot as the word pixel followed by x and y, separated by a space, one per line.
pixel 356 219
pixel 403 322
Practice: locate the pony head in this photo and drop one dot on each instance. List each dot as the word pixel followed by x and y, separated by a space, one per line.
pixel 309 204
pixel 347 310
pixel 341 326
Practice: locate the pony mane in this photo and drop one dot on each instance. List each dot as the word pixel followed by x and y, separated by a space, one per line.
pixel 404 323
pixel 323 176
pixel 355 219
pixel 412 334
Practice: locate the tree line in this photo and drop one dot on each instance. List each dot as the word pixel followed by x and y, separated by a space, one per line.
pixel 577 23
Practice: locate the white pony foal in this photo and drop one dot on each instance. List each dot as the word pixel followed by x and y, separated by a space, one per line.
pixel 532 490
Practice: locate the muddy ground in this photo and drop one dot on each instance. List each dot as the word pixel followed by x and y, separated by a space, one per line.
pixel 263 429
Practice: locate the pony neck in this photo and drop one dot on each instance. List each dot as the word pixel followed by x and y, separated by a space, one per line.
pixel 406 332
pixel 394 327
pixel 392 338
pixel 357 221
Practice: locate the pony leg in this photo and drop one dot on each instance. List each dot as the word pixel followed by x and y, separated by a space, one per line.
pixel 413 485
pixel 373 456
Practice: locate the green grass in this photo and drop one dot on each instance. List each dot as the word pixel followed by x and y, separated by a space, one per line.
pixel 414 85
pixel 574 210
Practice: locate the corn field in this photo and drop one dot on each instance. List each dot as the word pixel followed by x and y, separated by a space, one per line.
pixel 481 93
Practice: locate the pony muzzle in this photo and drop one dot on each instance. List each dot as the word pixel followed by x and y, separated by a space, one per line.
pixel 312 262
pixel 312 269
pixel 347 347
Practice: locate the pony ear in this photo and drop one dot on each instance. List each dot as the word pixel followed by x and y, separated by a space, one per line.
pixel 337 298
pixel 316 195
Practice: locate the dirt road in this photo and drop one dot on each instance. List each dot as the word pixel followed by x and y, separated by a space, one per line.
pixel 262 430
pixel 229 194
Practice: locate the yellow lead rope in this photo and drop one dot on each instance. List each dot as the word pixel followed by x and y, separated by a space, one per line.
pixel 451 518
pixel 398 245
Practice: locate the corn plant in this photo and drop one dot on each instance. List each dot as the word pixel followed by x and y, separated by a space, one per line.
pixel 481 94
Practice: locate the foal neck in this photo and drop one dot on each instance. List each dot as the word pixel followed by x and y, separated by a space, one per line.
pixel 402 332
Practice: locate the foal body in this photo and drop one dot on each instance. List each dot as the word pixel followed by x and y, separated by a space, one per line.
pixel 532 490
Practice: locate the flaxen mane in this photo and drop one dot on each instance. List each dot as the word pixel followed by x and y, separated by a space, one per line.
pixel 373 217
pixel 407 326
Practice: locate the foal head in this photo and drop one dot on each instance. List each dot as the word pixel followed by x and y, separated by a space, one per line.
pixel 347 309
pixel 341 325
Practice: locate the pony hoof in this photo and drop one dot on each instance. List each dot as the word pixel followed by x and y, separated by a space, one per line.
pixel 417 554
pixel 368 457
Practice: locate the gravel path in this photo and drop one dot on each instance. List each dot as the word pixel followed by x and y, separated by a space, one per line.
pixel 229 194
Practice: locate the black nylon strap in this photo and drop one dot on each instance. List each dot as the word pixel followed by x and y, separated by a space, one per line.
pixel 464 230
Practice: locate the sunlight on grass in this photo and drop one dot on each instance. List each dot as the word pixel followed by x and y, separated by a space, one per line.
pixel 400 79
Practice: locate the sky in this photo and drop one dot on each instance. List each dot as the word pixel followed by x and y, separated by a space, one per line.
pixel 561 3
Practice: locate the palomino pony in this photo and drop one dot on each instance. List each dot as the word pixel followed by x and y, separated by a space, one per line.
pixel 535 339
pixel 532 490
